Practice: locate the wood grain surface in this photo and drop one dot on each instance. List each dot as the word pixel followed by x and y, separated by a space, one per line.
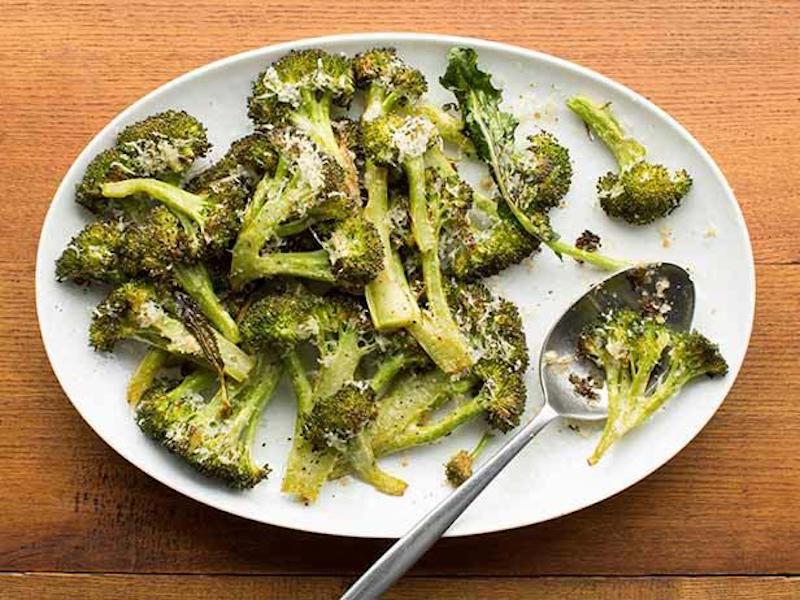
pixel 721 520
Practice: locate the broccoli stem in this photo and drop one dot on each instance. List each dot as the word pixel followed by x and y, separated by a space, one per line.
pixel 196 382
pixel 258 391
pixel 339 366
pixel 482 443
pixel 275 205
pixel 196 281
pixel 421 226
pixel 601 121
pixel 417 435
pixel 313 265
pixel 408 403
pixel 314 117
pixel 386 372
pixel 391 303
pixel 306 469
pixel 177 199
pixel 450 128
pixel 152 362
pixel 593 258
pixel 611 433
pixel 435 330
pixel 362 460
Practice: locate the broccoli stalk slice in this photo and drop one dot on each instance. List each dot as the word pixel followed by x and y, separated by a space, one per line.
pixel 627 151
pixel 196 281
pixel 391 302
pixel 177 199
pixel 313 264
pixel 407 404
pixel 436 329
pixel 145 374
pixel 492 132
pixel 306 469
pixel 362 460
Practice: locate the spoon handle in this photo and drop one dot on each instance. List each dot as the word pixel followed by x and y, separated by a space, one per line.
pixel 408 549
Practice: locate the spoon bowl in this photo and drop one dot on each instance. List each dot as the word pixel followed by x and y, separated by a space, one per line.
pixel 655 285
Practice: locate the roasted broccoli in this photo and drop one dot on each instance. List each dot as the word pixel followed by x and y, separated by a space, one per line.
pixel 149 314
pixel 165 243
pixel 333 406
pixel 306 183
pixel 300 89
pixel 401 141
pixel 268 262
pixel 215 436
pixel 162 146
pixel 389 84
pixel 459 468
pixel 481 235
pixel 641 192
pixel 424 405
pixel 529 182
pixel 628 347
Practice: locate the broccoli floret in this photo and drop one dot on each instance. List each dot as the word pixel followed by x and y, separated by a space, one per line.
pixel 299 89
pixel 307 184
pixel 628 347
pixel 545 173
pixel 248 159
pixel 146 313
pixel 333 405
pixel 354 251
pixel 338 418
pixel 529 182
pixel 214 436
pixel 481 235
pixel 95 254
pixel 641 192
pixel 397 140
pixel 216 211
pixel 158 243
pixel 389 84
pixel 494 388
pixel 459 468
pixel 163 146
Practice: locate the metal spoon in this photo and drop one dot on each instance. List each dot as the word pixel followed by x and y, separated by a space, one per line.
pixel 626 288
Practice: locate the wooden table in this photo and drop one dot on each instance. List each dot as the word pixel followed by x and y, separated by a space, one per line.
pixel 721 520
